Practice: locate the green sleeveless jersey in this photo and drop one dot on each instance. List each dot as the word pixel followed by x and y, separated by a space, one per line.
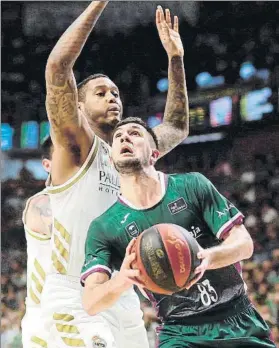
pixel 192 202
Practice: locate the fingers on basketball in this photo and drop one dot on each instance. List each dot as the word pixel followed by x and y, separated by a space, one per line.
pixel 130 246
pixel 128 261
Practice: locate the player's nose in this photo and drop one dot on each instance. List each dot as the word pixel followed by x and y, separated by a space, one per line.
pixel 111 98
pixel 125 138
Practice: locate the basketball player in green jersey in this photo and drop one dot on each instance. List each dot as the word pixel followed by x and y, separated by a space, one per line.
pixel 214 310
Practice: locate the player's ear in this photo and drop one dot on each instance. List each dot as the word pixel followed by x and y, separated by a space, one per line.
pixel 46 164
pixel 154 156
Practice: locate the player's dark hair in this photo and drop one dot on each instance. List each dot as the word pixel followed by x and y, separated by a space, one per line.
pixel 46 148
pixel 83 84
pixel 139 121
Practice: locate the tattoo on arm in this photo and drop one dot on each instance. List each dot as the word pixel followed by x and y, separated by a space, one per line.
pixel 62 101
pixel 62 106
pixel 176 111
pixel 175 126
pixel 42 210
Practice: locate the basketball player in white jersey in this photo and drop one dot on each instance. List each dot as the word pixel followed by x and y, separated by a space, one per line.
pixel 84 184
pixel 37 220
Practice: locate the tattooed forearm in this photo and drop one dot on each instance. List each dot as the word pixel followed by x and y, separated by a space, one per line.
pixel 69 46
pixel 61 105
pixel 177 110
pixel 61 101
pixel 175 127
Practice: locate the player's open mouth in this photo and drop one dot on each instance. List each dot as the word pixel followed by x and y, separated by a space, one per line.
pixel 126 150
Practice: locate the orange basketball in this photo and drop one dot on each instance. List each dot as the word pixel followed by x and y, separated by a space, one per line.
pixel 166 255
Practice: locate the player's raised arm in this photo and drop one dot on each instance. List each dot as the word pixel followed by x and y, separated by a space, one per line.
pixel 175 126
pixel 69 130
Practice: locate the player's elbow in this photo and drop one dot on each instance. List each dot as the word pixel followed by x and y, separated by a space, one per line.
pixel 56 64
pixel 248 247
pixel 91 300
pixel 88 305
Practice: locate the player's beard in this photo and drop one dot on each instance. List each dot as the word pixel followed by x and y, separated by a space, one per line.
pixel 129 166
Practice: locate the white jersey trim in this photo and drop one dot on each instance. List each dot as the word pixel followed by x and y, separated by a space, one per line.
pixel 80 173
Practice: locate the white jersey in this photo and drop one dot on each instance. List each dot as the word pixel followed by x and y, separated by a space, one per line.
pixel 90 192
pixel 75 204
pixel 38 259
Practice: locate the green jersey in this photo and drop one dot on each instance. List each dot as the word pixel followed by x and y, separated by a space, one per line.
pixel 192 202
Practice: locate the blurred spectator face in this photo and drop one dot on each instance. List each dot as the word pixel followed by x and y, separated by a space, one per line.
pixel 16 267
pixel 101 103
pixel 275 255
pixel 263 289
pixel 268 213
pixel 267 266
pixel 252 297
pixel 249 284
pixel 271 232
pixel 258 276
pixel 245 276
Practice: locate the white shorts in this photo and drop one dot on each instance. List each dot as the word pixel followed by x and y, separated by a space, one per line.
pixel 33 329
pixel 70 326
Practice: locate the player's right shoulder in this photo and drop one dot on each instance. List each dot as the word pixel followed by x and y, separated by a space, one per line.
pixel 38 199
pixel 35 199
pixel 36 207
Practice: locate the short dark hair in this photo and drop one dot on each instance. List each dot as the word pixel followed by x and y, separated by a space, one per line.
pixel 46 148
pixel 139 121
pixel 82 85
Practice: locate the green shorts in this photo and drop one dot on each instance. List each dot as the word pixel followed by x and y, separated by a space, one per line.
pixel 243 330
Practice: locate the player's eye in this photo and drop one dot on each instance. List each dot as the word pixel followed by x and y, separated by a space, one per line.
pixel 101 94
pixel 116 95
pixel 117 135
pixel 135 133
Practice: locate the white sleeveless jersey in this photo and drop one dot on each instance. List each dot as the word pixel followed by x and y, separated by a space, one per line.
pixel 38 259
pixel 90 192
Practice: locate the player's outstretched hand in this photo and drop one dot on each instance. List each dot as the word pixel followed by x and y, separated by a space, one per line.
pixel 127 275
pixel 169 33
pixel 205 256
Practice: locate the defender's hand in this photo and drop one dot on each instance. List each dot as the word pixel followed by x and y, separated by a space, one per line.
pixel 168 33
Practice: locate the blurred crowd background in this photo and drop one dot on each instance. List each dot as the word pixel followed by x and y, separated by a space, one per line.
pixel 234 43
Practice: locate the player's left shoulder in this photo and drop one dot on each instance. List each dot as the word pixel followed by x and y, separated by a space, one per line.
pixel 189 178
